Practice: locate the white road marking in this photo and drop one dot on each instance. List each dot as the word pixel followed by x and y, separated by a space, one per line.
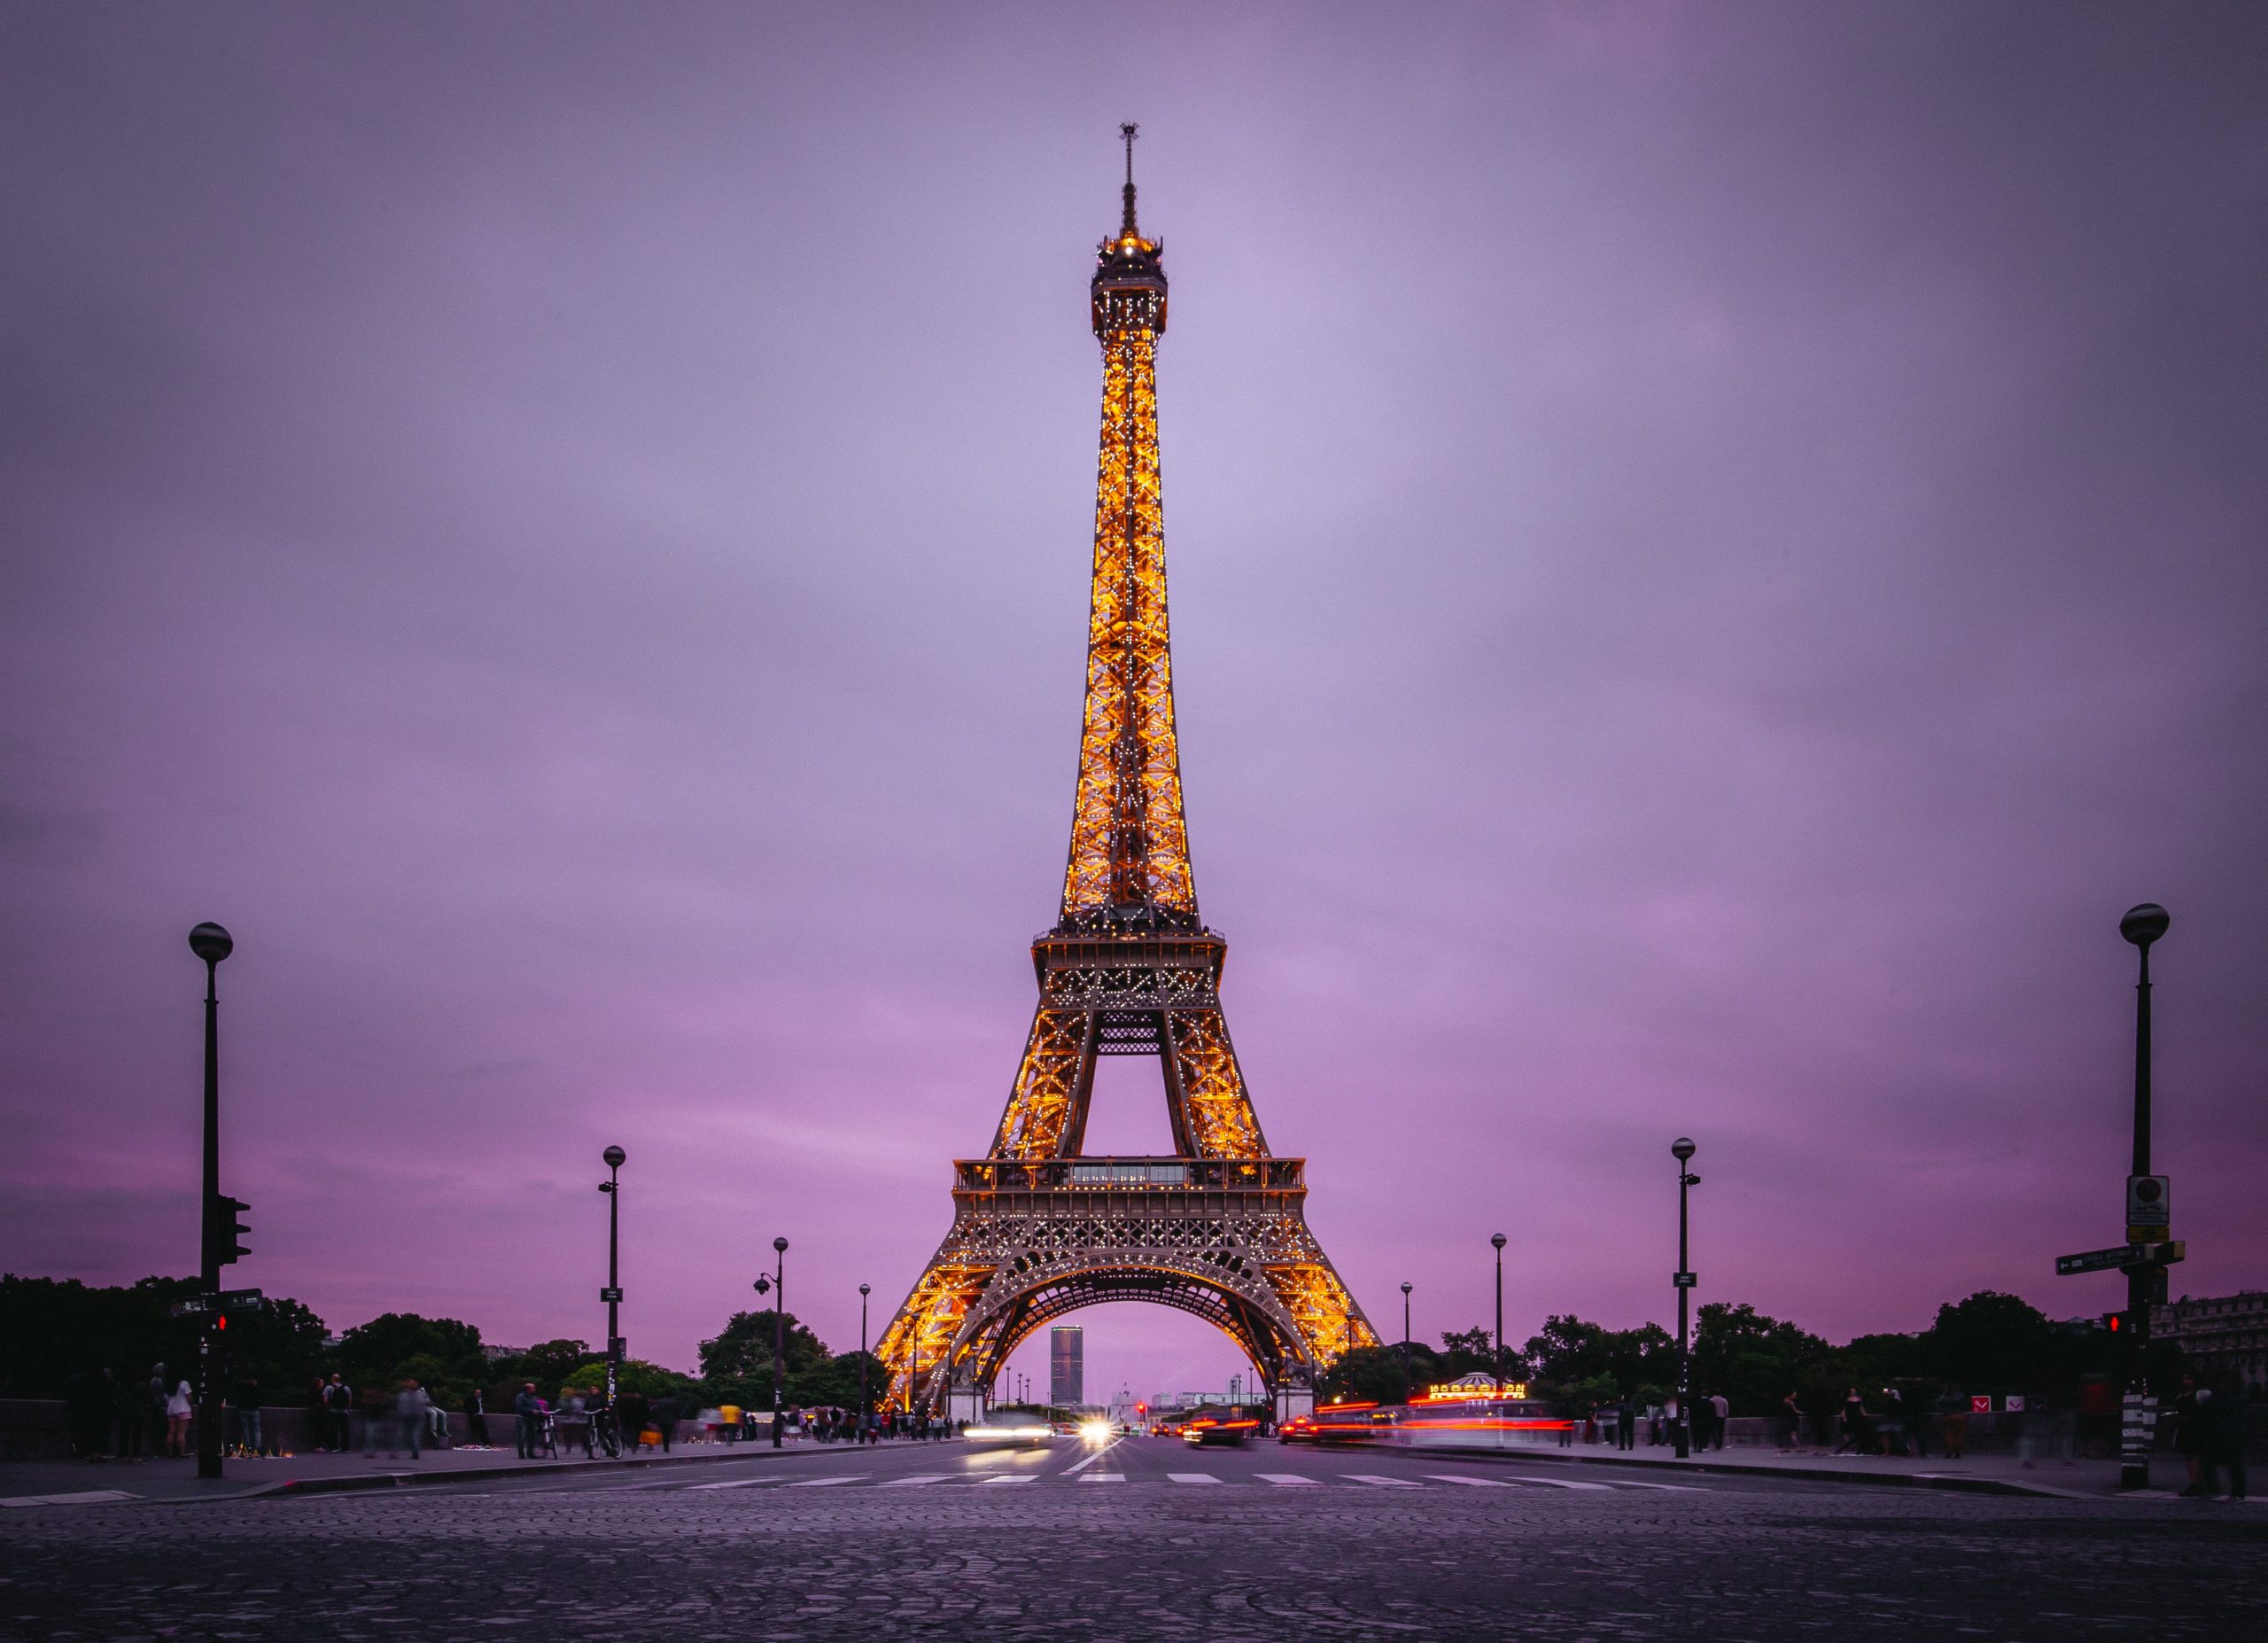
pixel 1560 1482
pixel 1192 1478
pixel 1683 1489
pixel 738 1482
pixel 1290 1478
pixel 919 1477
pixel 1091 1458
pixel 1474 1483
pixel 1104 1477
pixel 821 1483
pixel 1029 1477
pixel 83 1496
pixel 1382 1483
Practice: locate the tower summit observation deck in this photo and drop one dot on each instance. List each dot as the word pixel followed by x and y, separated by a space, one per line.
pixel 1041 1228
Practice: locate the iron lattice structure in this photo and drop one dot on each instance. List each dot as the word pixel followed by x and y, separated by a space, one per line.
pixel 1039 1227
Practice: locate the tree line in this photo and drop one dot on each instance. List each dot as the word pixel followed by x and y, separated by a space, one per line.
pixel 54 1331
pixel 1990 1343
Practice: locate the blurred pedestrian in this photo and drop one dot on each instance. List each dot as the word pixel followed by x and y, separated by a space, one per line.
pixel 1952 1421
pixel 1891 1428
pixel 244 1398
pixel 2226 1420
pixel 1792 1424
pixel 637 1410
pixel 1858 1426
pixel 2189 1434
pixel 1721 1417
pixel 410 1409
pixel 529 1409
pixel 179 1406
pixel 1625 1426
pixel 129 1409
pixel 666 1412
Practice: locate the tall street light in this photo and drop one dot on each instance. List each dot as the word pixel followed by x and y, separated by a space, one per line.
pixel 211 944
pixel 614 1157
pixel 1683 1149
pixel 1497 1364
pixel 1405 1342
pixel 779 1329
pixel 865 1289
pixel 2145 1280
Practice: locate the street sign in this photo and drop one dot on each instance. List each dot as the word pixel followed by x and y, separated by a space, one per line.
pixel 2149 1201
pixel 1683 1280
pixel 610 1293
pixel 226 1301
pixel 2099 1260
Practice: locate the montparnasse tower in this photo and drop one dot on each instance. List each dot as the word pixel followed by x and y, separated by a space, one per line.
pixel 1040 1226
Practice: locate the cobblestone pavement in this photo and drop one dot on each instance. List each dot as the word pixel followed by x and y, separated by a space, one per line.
pixel 1147 1540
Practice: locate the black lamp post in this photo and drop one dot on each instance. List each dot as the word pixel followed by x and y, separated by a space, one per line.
pixel 1497 1364
pixel 211 944
pixel 779 1329
pixel 2144 1281
pixel 864 1291
pixel 1683 1149
pixel 614 1157
pixel 1405 1342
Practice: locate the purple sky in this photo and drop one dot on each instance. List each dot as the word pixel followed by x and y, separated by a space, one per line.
pixel 1714 551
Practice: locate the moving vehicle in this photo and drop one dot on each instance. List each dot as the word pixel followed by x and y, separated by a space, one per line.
pixel 1207 1431
pixel 1011 1428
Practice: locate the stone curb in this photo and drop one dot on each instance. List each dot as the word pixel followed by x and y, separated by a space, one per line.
pixel 356 1482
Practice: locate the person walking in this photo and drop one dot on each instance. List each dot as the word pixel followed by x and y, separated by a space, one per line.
pixel 179 1406
pixel 2227 1417
pixel 637 1411
pixel 1953 1422
pixel 1792 1424
pixel 1891 1429
pixel 475 1419
pixel 158 1390
pixel 1720 1418
pixel 1626 1428
pixel 529 1409
pixel 245 1401
pixel 1858 1426
pixel 410 1409
pixel 128 1413
pixel 337 1416
pixel 2189 1433
pixel 666 1413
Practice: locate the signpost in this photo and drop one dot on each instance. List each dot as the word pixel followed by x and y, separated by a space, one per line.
pixel 226 1301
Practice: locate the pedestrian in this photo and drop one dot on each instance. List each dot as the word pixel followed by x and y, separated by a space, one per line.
pixel 128 1410
pixel 1720 1418
pixel 667 1412
pixel 2226 1418
pixel 337 1416
pixel 1858 1426
pixel 1891 1429
pixel 475 1419
pixel 2189 1433
pixel 529 1408
pixel 574 1420
pixel 246 1400
pixel 179 1406
pixel 159 1388
pixel 1952 1421
pixel 1627 1423
pixel 1792 1424
pixel 410 1407
pixel 636 1411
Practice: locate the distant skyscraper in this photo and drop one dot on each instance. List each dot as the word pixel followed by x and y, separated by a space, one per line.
pixel 1066 1365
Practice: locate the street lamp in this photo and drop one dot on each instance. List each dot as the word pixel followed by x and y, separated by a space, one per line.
pixel 1405 1342
pixel 779 1329
pixel 211 944
pixel 613 1157
pixel 2145 1280
pixel 865 1289
pixel 1497 1364
pixel 1683 1149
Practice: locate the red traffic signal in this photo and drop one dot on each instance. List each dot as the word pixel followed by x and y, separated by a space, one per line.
pixel 2116 1322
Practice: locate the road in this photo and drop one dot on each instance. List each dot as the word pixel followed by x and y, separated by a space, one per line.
pixel 1144 1539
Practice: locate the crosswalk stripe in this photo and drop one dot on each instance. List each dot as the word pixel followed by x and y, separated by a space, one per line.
pixel 1683 1489
pixel 1471 1482
pixel 822 1482
pixel 1561 1483
pixel 1192 1478
pixel 1382 1483
pixel 919 1477
pixel 1289 1478
pixel 986 1483
pixel 738 1482
pixel 1103 1478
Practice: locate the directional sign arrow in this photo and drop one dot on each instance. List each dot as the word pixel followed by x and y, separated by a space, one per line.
pixel 2099 1260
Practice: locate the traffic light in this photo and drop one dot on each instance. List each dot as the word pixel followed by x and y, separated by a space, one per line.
pixel 2116 1322
pixel 228 1229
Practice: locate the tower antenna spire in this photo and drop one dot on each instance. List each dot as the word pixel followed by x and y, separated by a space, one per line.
pixel 1129 132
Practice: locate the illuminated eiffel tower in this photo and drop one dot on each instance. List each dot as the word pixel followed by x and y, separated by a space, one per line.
pixel 1041 1228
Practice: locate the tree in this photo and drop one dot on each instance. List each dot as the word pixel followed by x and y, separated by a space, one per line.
pixel 1752 1359
pixel 379 1352
pixel 1373 1375
pixel 549 1364
pixel 737 1365
pixel 1995 1343
pixel 1573 1360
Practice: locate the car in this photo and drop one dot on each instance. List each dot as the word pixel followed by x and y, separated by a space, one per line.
pixel 1207 1432
pixel 1011 1429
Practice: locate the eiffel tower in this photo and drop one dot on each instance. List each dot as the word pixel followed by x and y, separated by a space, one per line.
pixel 1040 1227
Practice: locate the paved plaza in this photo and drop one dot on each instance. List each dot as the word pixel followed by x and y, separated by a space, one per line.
pixel 1145 1539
